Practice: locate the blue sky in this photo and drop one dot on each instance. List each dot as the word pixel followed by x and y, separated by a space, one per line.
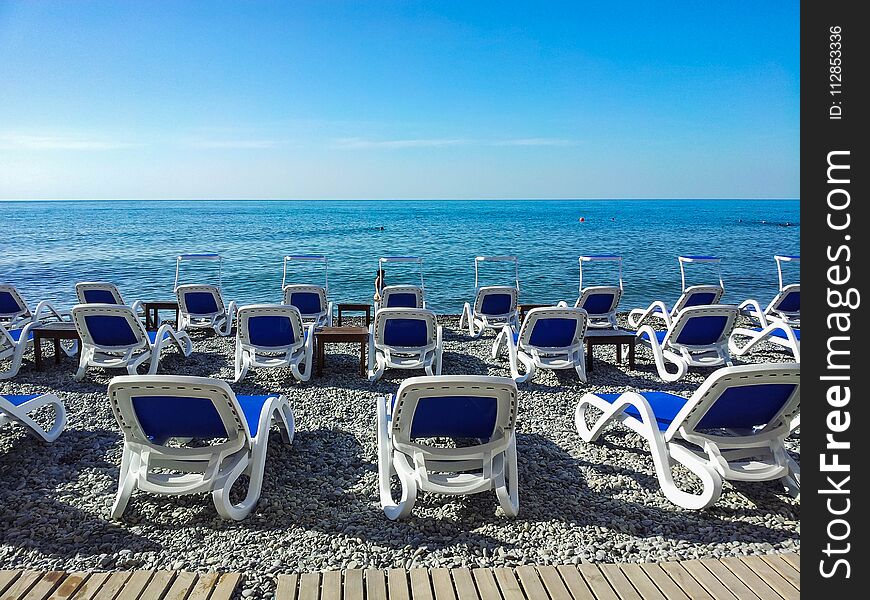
pixel 185 99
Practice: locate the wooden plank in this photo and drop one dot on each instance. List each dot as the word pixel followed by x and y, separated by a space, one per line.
pixel 645 586
pixel 69 586
pixel 597 582
pixel 203 587
pixel 703 576
pixel 397 583
pixel 46 585
pixel 575 582
pixel 7 578
pixel 91 586
pixel 136 584
pixel 553 583
pixel 685 581
pixel 785 570
pixel 353 584
pixel 158 585
pixel 331 586
pixel 442 584
pixel 793 559
pixel 180 588
pixel 226 586
pixel 21 585
pixel 770 576
pixel 113 585
pixel 309 586
pixel 287 585
pixel 729 579
pixel 464 583
pixel 619 582
pixel 421 588
pixel 486 585
pixel 665 584
pixel 508 584
pixel 759 584
pixel 376 589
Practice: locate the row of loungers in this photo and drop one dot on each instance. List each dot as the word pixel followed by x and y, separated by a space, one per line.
pixel 732 428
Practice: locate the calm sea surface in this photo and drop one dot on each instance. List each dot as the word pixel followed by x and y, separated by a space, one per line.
pixel 46 247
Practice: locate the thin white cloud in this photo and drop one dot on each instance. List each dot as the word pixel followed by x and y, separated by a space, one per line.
pixel 535 142
pixel 15 141
pixel 232 144
pixel 354 143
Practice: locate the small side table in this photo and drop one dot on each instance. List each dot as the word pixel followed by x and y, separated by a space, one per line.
pixel 616 337
pixel 54 332
pixel 337 335
pixel 355 307
pixel 151 309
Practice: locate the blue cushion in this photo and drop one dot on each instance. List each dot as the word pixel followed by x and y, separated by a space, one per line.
pixel 152 336
pixel 201 303
pixel 164 417
pixel 19 399
pixel 495 304
pixel 308 303
pixel 110 330
pixel 747 406
pixel 271 331
pixel 99 297
pixel 16 334
pixel 665 406
pixel 702 331
pixel 405 332
pixel 791 303
pixel 8 304
pixel 598 304
pixel 402 300
pixel 780 333
pixel 701 299
pixel 553 333
pixel 660 336
pixel 455 416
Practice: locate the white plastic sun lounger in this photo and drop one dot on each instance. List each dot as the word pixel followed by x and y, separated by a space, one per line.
pixel 113 337
pixel 17 408
pixel 14 312
pixel 154 409
pixel 731 428
pixel 13 344
pixel 273 335
pixel 698 337
pixel 600 301
pixel 785 306
pixel 404 338
pixel 202 307
pixel 494 305
pixel 549 338
pixel 401 296
pixel 312 300
pixel 464 407
pixel 103 292
pixel 771 330
pixel 694 295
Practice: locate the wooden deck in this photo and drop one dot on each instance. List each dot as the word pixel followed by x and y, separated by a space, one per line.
pixel 770 577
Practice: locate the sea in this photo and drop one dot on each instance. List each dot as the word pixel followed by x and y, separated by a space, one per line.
pixel 48 246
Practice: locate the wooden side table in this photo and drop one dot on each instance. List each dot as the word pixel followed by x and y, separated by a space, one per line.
pixel 616 337
pixel 151 309
pixel 337 335
pixel 54 332
pixel 355 307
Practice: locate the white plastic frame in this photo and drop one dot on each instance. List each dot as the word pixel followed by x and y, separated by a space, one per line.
pixel 194 257
pixel 607 319
pixel 298 355
pixel 221 321
pixel 11 413
pixel 381 356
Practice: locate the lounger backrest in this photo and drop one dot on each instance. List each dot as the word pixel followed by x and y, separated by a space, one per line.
pixel 98 292
pixel 309 299
pixel 402 296
pixel 788 300
pixel 496 301
pixel 698 295
pixel 600 300
pixel 453 406
pixel 154 408
pixel 109 326
pixel 702 326
pixel 270 326
pixel 553 328
pixel 405 329
pixel 12 305
pixel 201 301
pixel 752 398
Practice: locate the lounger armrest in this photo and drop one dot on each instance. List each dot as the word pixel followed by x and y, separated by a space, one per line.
pixel 752 308
pixel 644 315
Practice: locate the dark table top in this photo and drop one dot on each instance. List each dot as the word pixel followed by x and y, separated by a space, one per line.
pixel 609 333
pixel 352 334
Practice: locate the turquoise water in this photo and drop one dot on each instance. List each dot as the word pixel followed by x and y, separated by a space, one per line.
pixel 48 246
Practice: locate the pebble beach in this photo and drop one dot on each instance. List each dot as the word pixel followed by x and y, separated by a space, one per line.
pixel 319 506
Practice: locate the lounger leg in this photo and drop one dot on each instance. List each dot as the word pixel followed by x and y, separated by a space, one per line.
pixel 241 363
pixel 130 462
pixel 508 494
pixel 86 355
pixel 792 481
pixel 392 509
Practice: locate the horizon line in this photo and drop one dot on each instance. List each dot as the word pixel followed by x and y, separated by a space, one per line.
pixel 653 199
